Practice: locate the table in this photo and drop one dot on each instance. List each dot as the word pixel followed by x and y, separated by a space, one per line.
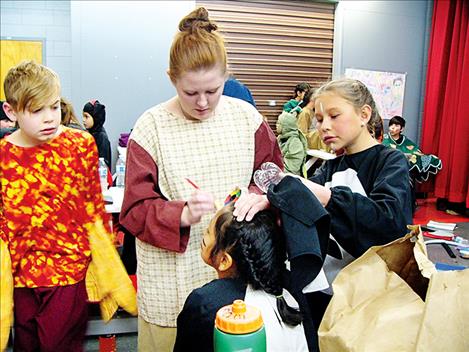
pixel 437 254
pixel 317 154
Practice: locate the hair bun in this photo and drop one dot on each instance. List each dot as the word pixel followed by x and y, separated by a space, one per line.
pixel 197 20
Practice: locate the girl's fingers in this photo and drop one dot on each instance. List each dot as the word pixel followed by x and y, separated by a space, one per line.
pixel 248 205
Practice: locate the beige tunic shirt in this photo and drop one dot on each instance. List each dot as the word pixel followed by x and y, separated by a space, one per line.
pixel 217 154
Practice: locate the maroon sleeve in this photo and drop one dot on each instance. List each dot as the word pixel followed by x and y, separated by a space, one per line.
pixel 146 213
pixel 267 149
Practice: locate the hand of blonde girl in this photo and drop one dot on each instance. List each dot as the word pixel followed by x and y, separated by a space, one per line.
pixel 322 193
pixel 249 204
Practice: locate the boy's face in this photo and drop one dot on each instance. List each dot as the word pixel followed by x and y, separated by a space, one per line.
pixel 395 130
pixel 39 126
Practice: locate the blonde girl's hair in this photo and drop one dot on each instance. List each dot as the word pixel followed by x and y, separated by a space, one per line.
pixel 197 45
pixel 68 113
pixel 357 94
pixel 30 86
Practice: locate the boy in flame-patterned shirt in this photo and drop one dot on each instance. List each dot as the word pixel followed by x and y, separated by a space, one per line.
pixel 50 191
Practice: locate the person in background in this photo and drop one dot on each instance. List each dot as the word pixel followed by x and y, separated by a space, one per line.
pixel 377 130
pixel 292 144
pixel 249 258
pixel 293 105
pixel 69 118
pixel 236 89
pixel 94 116
pixel 6 125
pixel 421 165
pixel 307 124
pixel 50 197
pixel 366 190
pixel 184 155
pixel 306 121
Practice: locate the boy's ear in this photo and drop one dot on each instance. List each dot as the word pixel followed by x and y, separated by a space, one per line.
pixel 225 262
pixel 11 113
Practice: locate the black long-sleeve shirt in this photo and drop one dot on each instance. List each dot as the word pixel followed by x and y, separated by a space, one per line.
pixel 371 200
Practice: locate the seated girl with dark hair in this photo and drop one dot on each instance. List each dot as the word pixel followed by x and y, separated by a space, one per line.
pixel 249 258
pixel 295 103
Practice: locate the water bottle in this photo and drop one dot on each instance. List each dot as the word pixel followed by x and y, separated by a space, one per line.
pixel 120 170
pixel 239 327
pixel 102 168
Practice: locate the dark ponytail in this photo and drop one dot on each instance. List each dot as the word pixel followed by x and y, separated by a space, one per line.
pixel 258 250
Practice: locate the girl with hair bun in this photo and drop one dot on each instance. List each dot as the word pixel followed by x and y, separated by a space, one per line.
pixel 249 258
pixel 213 140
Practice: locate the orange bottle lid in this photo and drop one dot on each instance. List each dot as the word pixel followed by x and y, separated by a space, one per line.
pixel 238 318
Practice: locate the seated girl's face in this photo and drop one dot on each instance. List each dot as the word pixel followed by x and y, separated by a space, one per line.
pixel 208 241
pixel 221 261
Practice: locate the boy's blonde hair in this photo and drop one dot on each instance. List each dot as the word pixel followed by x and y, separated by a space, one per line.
pixel 30 85
pixel 196 46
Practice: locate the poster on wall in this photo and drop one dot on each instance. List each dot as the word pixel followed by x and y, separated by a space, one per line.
pixel 387 89
pixel 15 51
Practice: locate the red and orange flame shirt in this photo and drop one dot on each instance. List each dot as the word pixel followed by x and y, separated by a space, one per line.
pixel 48 193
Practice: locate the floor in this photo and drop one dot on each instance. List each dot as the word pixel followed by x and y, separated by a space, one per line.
pixel 125 343
pixel 426 211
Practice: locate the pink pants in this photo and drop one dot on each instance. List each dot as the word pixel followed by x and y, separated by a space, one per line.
pixel 50 318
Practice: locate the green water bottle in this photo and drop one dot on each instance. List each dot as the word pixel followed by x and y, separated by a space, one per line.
pixel 239 327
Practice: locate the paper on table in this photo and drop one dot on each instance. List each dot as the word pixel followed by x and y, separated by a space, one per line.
pixel 449 226
pixel 441 233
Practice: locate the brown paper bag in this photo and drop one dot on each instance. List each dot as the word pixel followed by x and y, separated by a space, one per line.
pixel 393 299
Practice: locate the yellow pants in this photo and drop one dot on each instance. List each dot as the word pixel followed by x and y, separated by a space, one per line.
pixel 153 337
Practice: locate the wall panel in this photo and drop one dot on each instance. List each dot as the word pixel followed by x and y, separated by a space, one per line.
pixel 273 45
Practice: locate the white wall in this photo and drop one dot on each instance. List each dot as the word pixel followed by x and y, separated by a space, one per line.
pixel 45 20
pixel 117 51
pixel 120 57
pixel 386 36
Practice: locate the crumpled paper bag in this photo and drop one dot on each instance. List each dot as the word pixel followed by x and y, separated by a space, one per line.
pixel 393 299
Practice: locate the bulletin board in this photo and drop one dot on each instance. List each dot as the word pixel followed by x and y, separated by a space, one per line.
pixel 387 89
pixel 15 51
